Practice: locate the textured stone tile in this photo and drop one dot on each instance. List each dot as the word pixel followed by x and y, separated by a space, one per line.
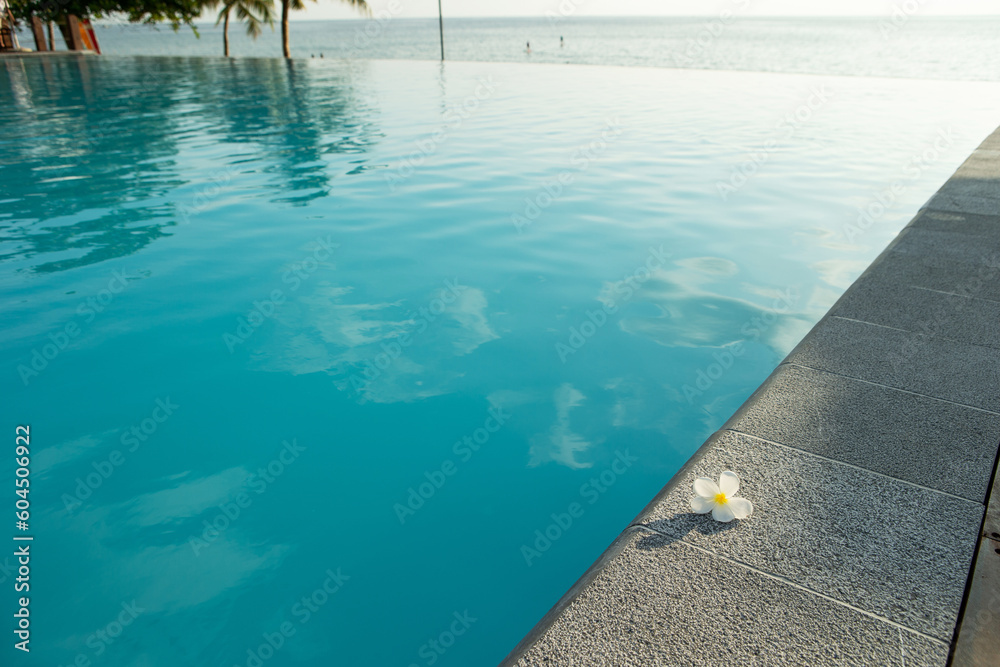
pixel 661 603
pixel 958 372
pixel 944 201
pixel 978 643
pixel 984 158
pixel 954 262
pixel 879 544
pixel 972 184
pixel 985 227
pixel 921 440
pixel 981 164
pixel 880 298
pixel 991 143
pixel 973 181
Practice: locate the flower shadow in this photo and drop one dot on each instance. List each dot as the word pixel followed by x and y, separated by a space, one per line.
pixel 675 528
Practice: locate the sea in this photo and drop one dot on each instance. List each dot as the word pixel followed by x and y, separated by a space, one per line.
pixel 897 46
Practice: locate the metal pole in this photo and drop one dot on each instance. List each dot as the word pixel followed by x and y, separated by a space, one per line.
pixel 441 28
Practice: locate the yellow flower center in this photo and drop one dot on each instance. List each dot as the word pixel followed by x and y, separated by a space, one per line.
pixel 720 499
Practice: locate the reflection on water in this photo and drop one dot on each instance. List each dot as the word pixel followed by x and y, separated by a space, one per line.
pixel 287 118
pixel 106 147
pixel 689 312
pixel 561 444
pixel 97 184
pixel 383 352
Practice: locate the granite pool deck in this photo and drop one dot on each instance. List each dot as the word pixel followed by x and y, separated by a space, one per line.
pixel 870 454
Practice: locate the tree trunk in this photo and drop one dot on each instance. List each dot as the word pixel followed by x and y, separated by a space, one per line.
pixel 284 28
pixel 225 34
pixel 52 38
pixel 38 31
pixel 70 29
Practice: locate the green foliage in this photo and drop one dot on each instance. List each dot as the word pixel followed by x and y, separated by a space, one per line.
pixel 360 5
pixel 174 12
pixel 255 13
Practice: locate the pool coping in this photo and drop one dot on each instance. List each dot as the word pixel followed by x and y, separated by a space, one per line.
pixel 47 54
pixel 923 292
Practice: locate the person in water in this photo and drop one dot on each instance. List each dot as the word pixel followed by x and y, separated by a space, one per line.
pixel 560 41
pixel 528 49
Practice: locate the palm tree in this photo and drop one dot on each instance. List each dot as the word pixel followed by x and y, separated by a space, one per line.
pixel 360 5
pixel 255 13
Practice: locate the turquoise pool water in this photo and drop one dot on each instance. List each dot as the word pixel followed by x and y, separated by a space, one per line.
pixel 364 363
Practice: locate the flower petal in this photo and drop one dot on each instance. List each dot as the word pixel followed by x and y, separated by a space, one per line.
pixel 701 505
pixel 705 487
pixel 723 513
pixel 729 482
pixel 741 507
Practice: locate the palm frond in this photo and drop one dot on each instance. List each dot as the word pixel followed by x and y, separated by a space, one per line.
pixel 253 23
pixel 359 5
pixel 262 9
pixel 255 13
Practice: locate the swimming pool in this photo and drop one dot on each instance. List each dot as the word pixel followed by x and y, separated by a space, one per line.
pixel 364 363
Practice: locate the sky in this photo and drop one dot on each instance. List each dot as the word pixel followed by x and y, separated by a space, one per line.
pixel 332 9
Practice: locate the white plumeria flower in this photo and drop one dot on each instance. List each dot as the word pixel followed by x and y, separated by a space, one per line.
pixel 718 498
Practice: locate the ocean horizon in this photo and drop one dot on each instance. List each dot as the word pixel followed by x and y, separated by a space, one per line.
pixel 894 47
